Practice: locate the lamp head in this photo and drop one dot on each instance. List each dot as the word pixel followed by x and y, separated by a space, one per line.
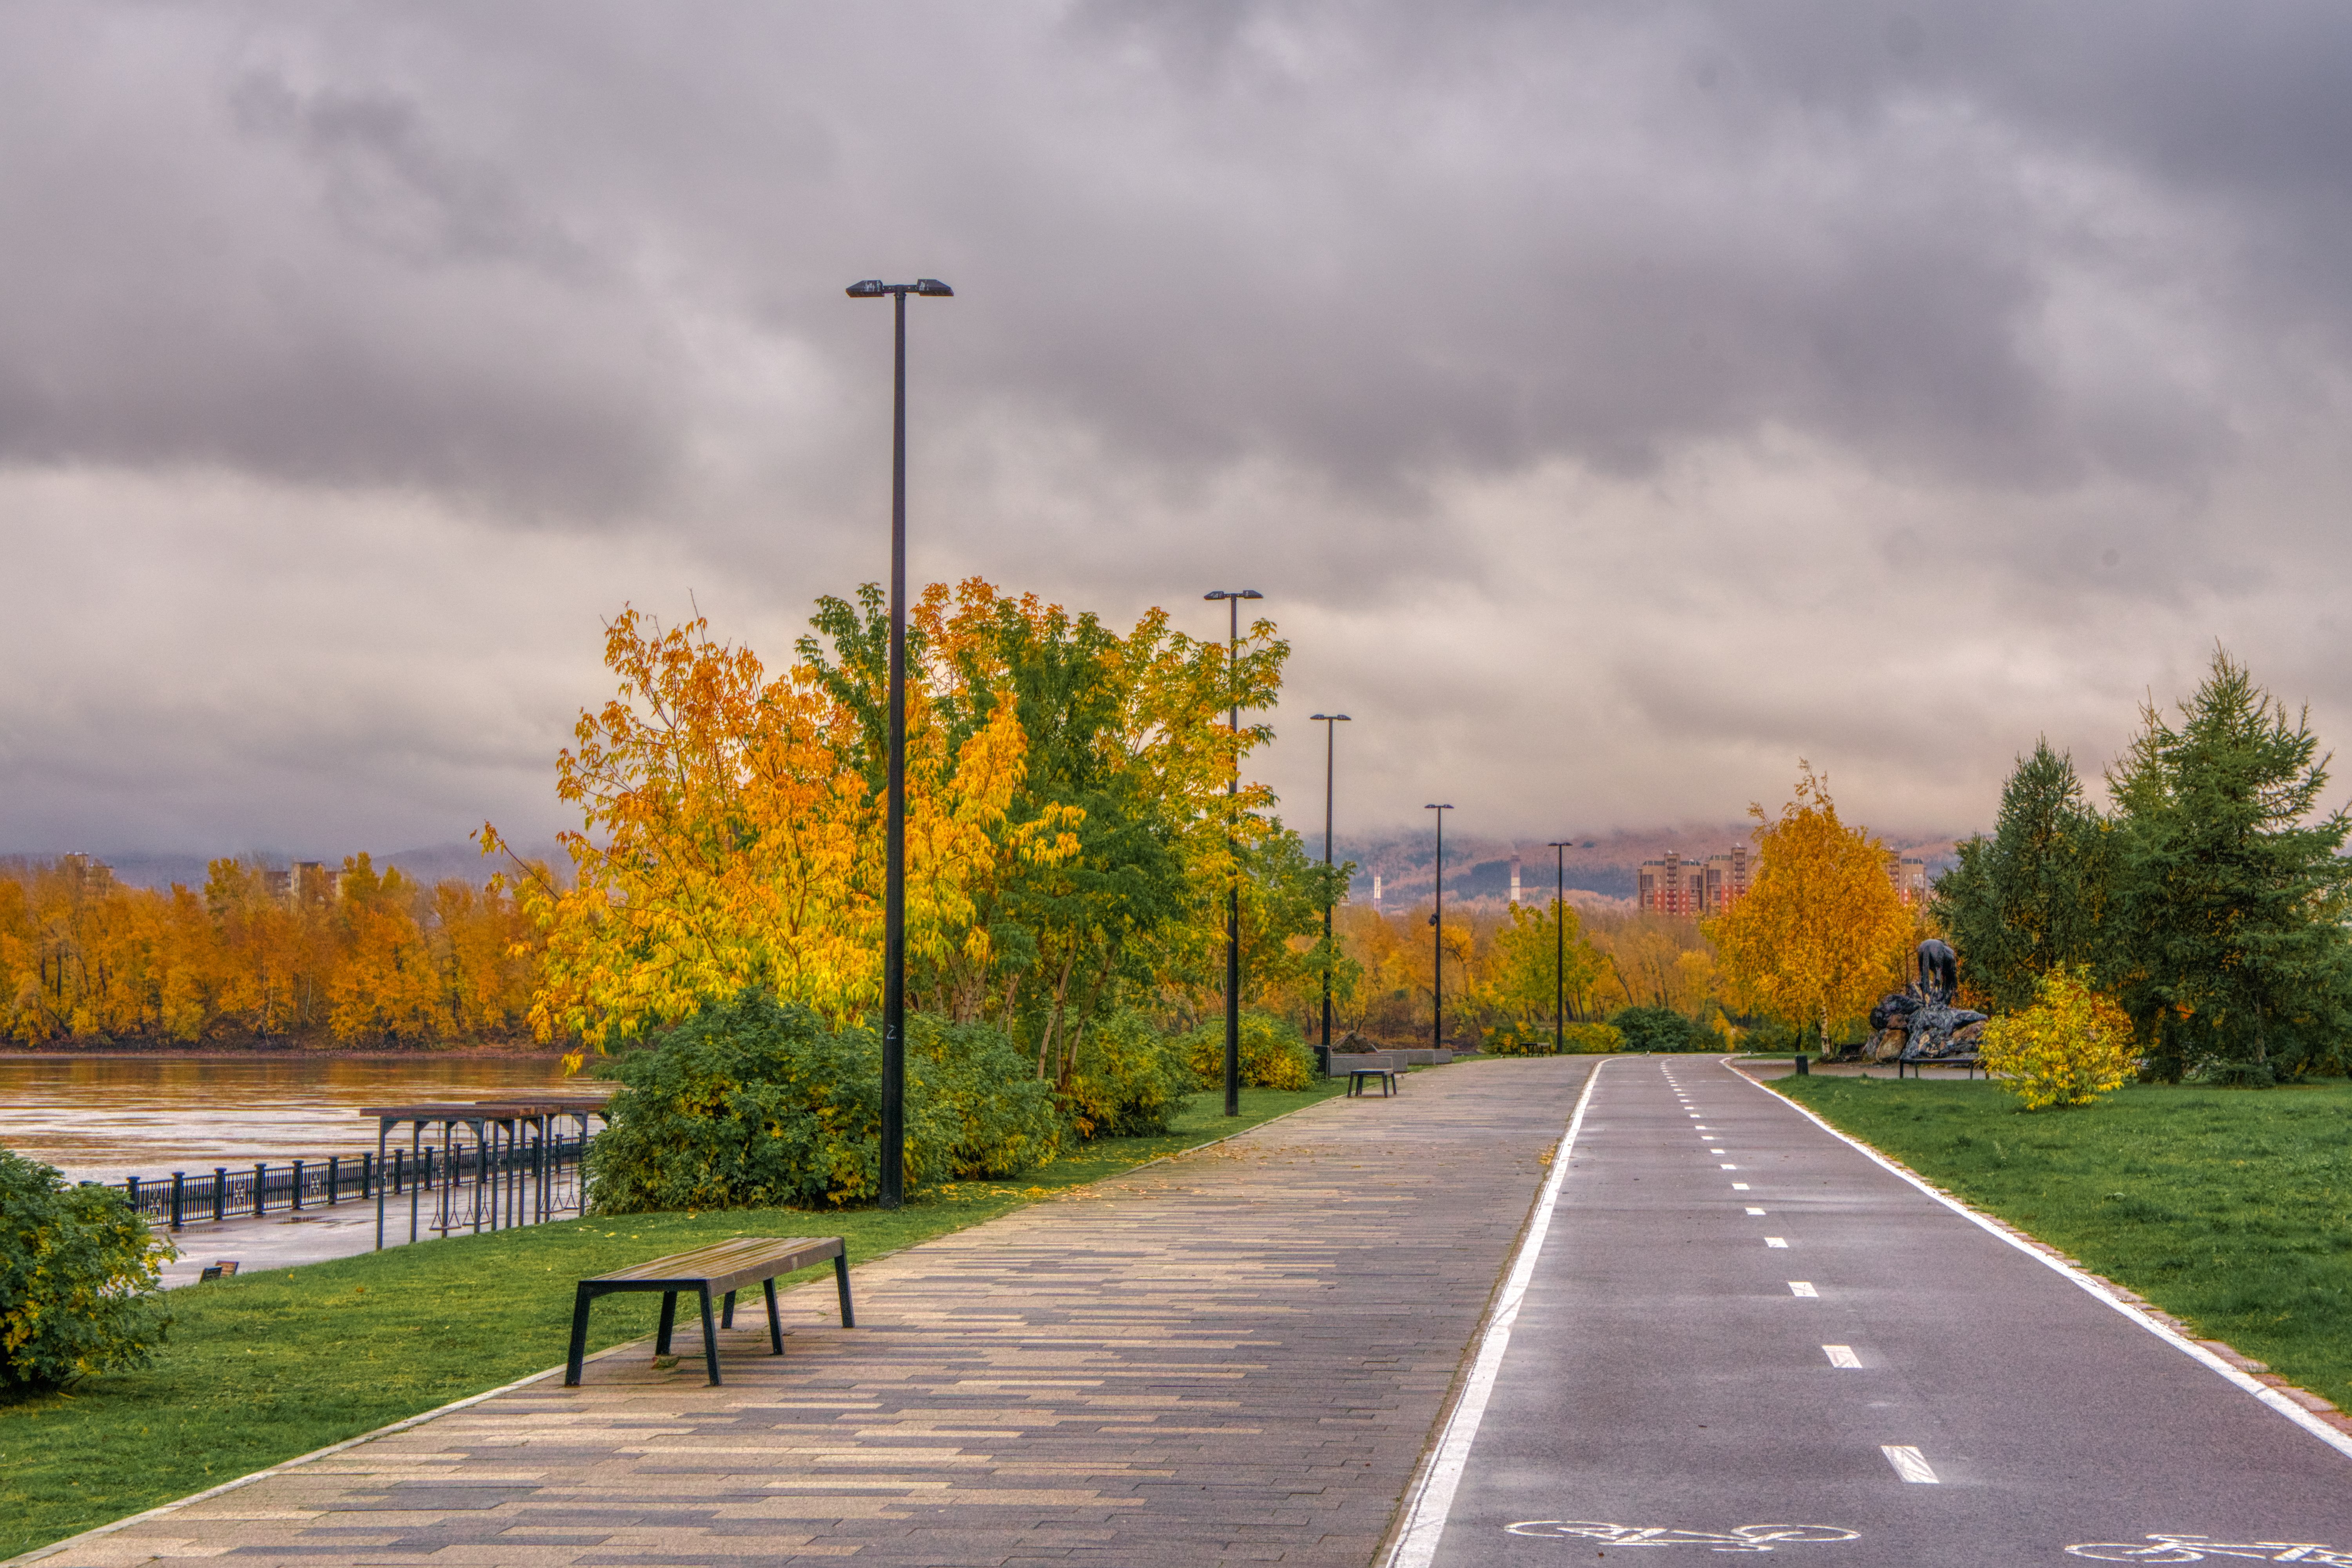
pixel 1447 806
pixel 1326 718
pixel 932 286
pixel 1234 594
pixel 870 289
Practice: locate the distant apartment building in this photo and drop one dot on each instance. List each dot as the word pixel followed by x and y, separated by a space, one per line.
pixel 1675 886
pixel 1909 876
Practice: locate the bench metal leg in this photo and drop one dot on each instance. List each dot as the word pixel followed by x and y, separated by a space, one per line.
pixel 710 1338
pixel 727 1312
pixel 579 1337
pixel 668 1322
pixel 841 1284
pixel 776 1323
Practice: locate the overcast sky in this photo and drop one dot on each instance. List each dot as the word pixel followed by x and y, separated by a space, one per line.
pixel 1615 402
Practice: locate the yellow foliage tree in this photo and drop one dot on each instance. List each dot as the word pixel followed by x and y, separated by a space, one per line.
pixel 2070 1046
pixel 732 839
pixel 1822 932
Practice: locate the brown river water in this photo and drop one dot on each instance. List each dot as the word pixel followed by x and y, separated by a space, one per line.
pixel 105 1117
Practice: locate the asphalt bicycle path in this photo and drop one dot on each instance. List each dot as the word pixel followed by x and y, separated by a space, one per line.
pixel 1737 1320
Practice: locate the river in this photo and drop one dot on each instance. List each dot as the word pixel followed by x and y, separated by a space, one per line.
pixel 105 1117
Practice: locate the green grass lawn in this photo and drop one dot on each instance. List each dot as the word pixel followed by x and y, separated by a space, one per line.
pixel 264 1367
pixel 2231 1209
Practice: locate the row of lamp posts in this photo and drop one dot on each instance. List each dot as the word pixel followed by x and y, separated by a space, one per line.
pixel 894 895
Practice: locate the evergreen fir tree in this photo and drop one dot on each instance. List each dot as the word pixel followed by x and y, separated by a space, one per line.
pixel 2031 898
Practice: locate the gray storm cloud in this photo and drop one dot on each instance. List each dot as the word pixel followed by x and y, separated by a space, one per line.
pixel 1615 402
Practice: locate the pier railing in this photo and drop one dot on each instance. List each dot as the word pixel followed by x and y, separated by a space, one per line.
pixel 550 1164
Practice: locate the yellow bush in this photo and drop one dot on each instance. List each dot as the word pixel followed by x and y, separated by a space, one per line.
pixel 1273 1054
pixel 2070 1047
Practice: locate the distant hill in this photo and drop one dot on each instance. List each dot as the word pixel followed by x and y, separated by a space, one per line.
pixel 1605 864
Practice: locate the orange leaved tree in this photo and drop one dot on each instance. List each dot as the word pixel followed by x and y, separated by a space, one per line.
pixel 1822 932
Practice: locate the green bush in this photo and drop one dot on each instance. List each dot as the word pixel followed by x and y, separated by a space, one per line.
pixel 751 1103
pixel 78 1274
pixel 1129 1080
pixel 1662 1030
pixel 1273 1054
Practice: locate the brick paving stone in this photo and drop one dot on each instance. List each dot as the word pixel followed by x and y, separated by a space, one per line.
pixel 1236 1355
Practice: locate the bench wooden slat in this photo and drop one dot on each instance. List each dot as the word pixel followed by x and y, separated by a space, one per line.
pixel 721 1268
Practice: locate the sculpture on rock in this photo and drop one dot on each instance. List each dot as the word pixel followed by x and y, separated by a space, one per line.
pixel 1918 1023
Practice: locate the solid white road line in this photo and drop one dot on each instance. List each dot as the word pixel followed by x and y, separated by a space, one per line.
pixel 2339 1441
pixel 1802 1287
pixel 1840 1355
pixel 1909 1463
pixel 1433 1496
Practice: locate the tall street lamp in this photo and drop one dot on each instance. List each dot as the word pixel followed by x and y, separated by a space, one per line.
pixel 1234 597
pixel 1437 954
pixel 1330 722
pixel 894 892
pixel 1559 848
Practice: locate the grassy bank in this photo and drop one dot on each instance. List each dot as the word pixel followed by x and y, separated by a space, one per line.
pixel 2228 1208
pixel 265 1366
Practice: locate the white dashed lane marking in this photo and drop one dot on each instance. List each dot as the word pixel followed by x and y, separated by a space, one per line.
pixel 1752 1209
pixel 1802 1287
pixel 1909 1463
pixel 1842 1355
pixel 1739 1186
pixel 1776 1241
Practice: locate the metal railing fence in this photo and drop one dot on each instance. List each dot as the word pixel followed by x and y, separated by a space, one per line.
pixel 249 1191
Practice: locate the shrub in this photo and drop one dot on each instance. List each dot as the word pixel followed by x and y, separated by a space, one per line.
pixel 78 1273
pixel 1273 1054
pixel 1662 1030
pixel 2070 1047
pixel 1129 1080
pixel 1593 1039
pixel 1004 1118
pixel 749 1103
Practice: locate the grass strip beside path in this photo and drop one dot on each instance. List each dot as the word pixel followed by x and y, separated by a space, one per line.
pixel 2232 1209
pixel 264 1367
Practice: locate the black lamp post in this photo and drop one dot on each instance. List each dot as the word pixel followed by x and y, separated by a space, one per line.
pixel 1234 597
pixel 1330 722
pixel 1559 848
pixel 894 892
pixel 1437 954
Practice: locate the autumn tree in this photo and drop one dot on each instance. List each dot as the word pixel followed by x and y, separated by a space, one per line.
pixel 1822 932
pixel 1534 947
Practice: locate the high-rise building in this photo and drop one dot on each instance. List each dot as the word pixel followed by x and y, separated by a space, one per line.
pixel 1909 876
pixel 1675 886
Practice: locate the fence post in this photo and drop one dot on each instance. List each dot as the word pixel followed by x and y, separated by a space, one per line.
pixel 260 1185
pixel 399 1172
pixel 367 1175
pixel 130 1191
pixel 298 1185
pixel 178 1181
pixel 220 1193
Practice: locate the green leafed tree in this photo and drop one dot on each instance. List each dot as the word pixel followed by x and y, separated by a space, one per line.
pixel 2032 896
pixel 2226 932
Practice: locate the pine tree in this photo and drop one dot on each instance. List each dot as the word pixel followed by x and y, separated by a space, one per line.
pixel 2229 945
pixel 2031 898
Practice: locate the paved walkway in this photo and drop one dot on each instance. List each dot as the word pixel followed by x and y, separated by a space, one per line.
pixel 1738 1323
pixel 1235 1356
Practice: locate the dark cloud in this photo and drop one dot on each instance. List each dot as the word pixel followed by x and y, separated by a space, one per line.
pixel 2007 342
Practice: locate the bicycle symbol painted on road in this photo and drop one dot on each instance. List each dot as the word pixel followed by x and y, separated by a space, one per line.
pixel 2198 1548
pixel 1746 1538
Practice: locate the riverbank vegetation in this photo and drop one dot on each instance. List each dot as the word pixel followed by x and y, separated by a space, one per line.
pixel 2229 1210
pixel 263 1367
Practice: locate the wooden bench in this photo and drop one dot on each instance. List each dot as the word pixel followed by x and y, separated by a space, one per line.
pixel 1907 1059
pixel 721 1268
pixel 1359 1076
